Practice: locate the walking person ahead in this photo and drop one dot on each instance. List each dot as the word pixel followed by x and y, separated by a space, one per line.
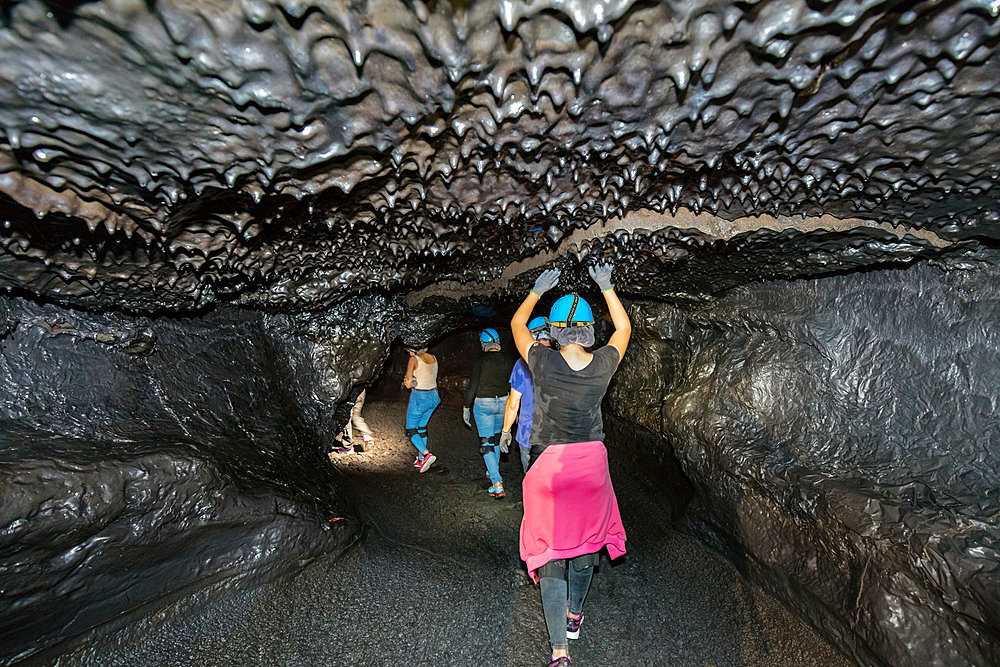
pixel 521 403
pixel 421 380
pixel 570 509
pixel 486 396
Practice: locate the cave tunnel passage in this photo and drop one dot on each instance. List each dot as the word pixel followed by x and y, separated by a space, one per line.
pixel 177 482
pixel 435 577
pixel 170 473
pixel 220 221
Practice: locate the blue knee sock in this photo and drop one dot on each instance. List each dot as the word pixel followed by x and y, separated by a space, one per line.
pixel 492 459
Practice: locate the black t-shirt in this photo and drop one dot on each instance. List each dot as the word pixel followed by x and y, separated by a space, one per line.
pixel 568 402
pixel 489 376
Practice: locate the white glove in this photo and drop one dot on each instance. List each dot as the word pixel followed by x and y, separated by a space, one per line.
pixel 601 274
pixel 467 417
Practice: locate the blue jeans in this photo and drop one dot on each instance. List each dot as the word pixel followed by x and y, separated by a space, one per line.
pixel 418 413
pixel 489 421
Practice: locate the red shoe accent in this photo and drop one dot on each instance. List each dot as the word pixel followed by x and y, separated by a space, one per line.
pixel 426 461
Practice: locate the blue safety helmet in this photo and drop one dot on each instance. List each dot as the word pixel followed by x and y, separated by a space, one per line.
pixel 537 325
pixel 489 336
pixel 571 310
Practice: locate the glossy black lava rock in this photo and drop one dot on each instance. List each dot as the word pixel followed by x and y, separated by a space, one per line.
pixel 842 441
pixel 177 153
pixel 140 457
pixel 253 200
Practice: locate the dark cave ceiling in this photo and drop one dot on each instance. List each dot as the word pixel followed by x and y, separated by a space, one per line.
pixel 175 154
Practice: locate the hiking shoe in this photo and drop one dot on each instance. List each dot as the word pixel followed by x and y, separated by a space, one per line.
pixel 425 461
pixel 497 490
pixel 573 626
pixel 561 662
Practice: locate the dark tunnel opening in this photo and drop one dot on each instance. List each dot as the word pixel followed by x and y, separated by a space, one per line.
pixel 463 537
pixel 700 455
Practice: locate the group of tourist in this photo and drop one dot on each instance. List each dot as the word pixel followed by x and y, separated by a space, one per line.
pixel 570 508
pixel 554 394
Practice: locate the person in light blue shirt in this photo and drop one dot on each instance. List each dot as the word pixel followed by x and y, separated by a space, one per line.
pixel 521 401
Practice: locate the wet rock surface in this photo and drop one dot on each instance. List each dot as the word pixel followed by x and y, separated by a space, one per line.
pixel 142 456
pixel 90 541
pixel 174 154
pixel 841 440
pixel 251 201
pixel 436 579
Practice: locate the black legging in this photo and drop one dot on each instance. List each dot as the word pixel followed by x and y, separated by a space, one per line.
pixel 553 578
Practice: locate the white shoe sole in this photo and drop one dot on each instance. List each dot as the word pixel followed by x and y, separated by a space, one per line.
pixel 572 635
pixel 427 463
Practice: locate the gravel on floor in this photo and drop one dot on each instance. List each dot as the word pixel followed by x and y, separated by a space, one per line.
pixel 435 579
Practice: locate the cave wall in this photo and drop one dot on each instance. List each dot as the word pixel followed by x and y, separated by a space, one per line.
pixel 842 442
pixel 140 456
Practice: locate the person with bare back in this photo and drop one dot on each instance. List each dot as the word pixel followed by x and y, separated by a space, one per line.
pixel 421 380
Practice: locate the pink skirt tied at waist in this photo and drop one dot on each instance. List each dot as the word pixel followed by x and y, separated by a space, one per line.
pixel 570 508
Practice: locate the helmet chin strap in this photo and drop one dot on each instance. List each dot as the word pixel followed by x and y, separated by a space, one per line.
pixel 572 309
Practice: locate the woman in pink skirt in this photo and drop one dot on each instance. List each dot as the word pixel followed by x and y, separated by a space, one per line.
pixel 570 509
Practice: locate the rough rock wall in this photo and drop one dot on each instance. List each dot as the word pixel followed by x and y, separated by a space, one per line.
pixel 140 456
pixel 842 439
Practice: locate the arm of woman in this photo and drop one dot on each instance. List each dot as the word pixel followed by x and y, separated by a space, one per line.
pixel 408 378
pixel 623 327
pixel 519 323
pixel 510 410
pixel 473 386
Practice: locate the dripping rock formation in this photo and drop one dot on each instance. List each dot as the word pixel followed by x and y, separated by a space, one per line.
pixel 217 217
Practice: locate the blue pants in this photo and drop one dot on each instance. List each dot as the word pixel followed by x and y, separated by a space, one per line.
pixel 489 421
pixel 418 413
